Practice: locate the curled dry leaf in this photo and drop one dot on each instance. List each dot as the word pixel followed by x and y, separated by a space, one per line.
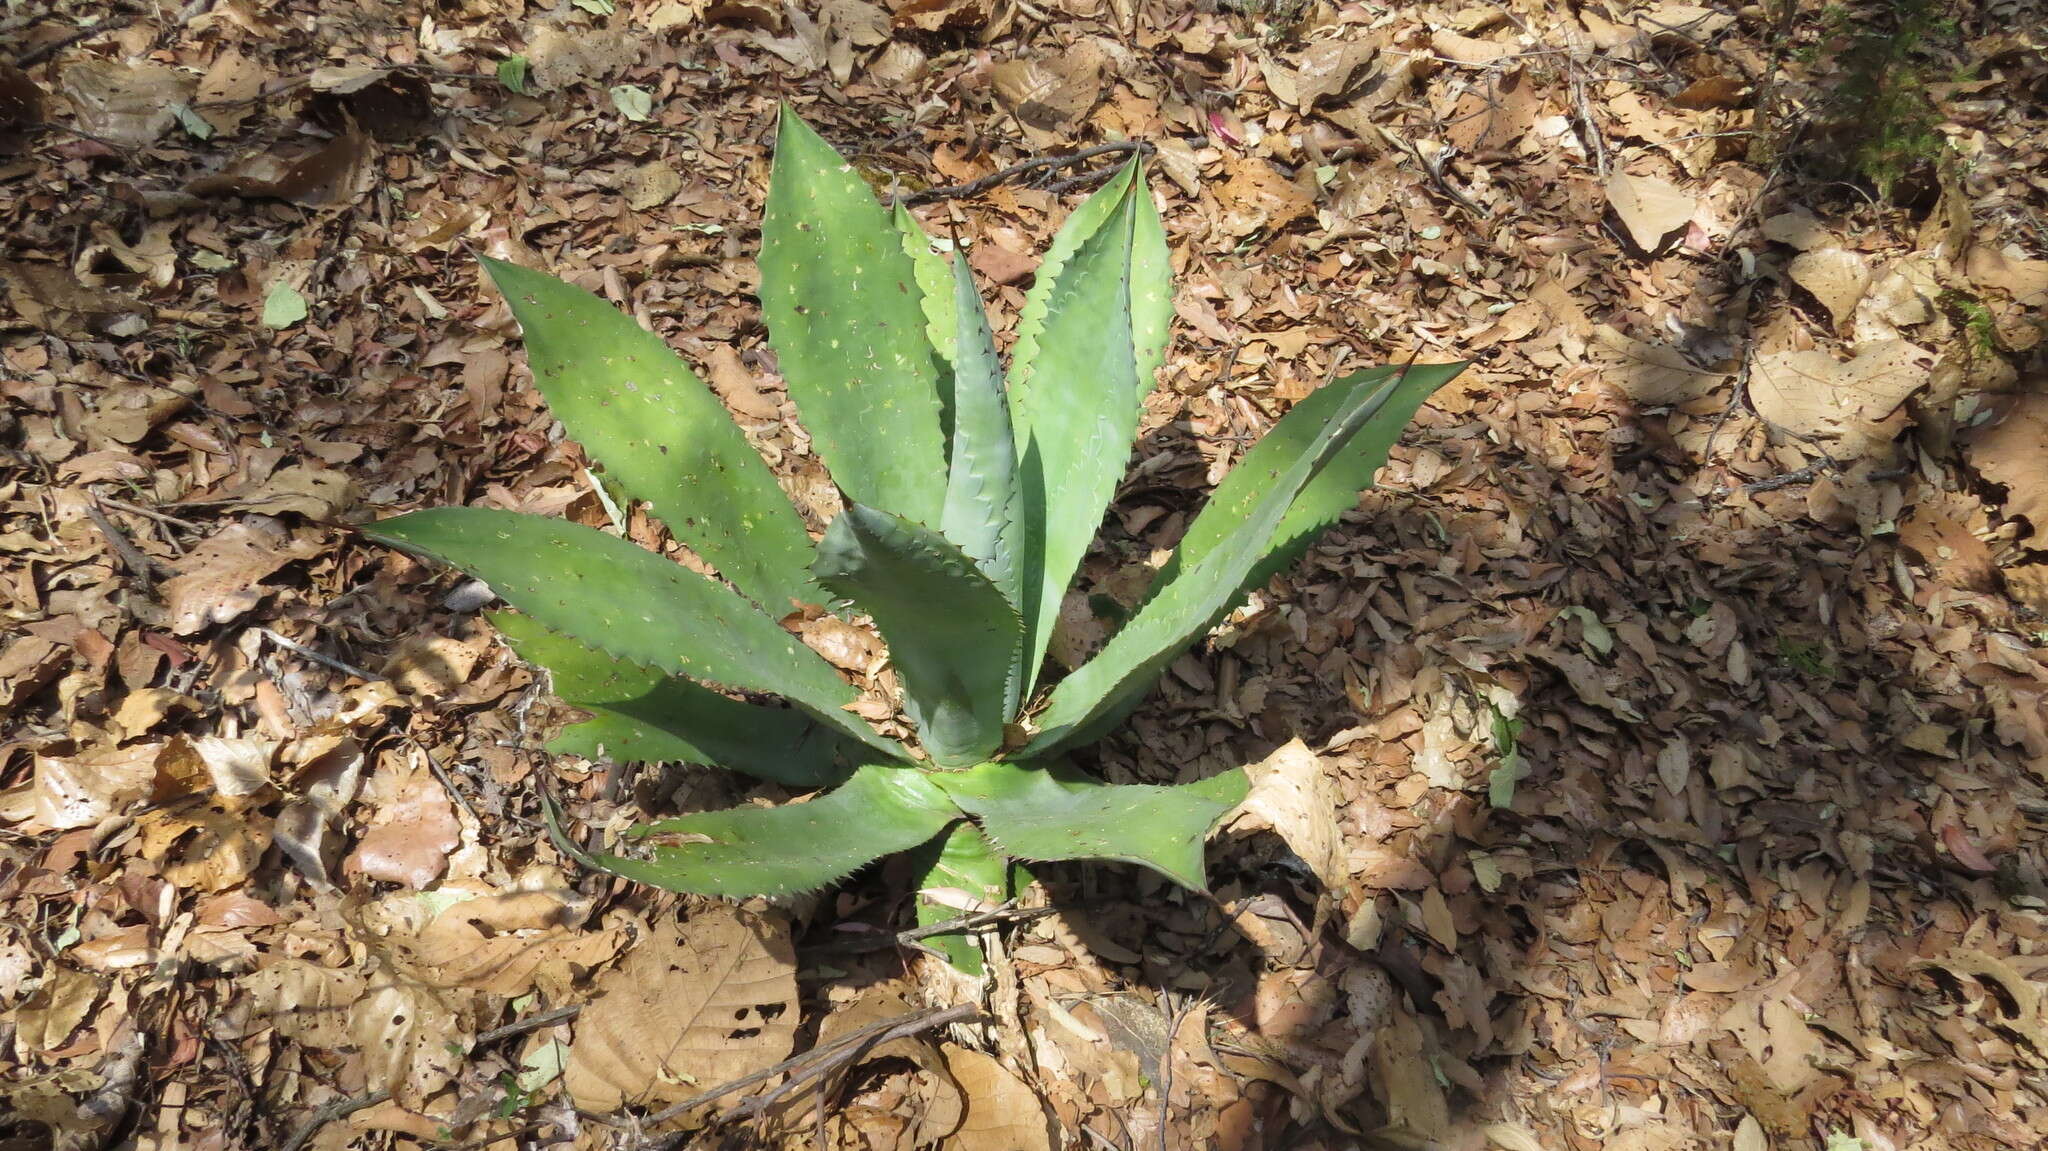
pixel 1002 1113
pixel 1294 795
pixel 1836 277
pixel 694 1004
pixel 2012 449
pixel 1649 208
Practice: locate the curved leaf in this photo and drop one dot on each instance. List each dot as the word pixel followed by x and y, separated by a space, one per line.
pixel 1031 811
pixel 950 632
pixel 642 715
pixel 960 858
pixel 1073 400
pixel 662 436
pixel 846 318
pixel 1332 492
pixel 981 482
pixel 1205 590
pixel 630 603
pixel 795 847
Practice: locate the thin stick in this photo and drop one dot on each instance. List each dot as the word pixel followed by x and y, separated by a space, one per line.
pixel 982 184
pixel 323 660
pixel 339 1109
pixel 149 512
pixel 962 924
pixel 805 1065
pixel 530 1023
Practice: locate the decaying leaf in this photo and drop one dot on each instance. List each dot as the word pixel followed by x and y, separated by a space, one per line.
pixel 1002 1113
pixel 1649 208
pixel 1811 393
pixel 128 105
pixel 222 578
pixel 2012 449
pixel 693 1005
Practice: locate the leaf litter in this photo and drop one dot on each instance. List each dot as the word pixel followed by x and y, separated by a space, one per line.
pixel 1737 535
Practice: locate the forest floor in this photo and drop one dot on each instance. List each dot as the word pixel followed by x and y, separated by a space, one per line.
pixel 1675 701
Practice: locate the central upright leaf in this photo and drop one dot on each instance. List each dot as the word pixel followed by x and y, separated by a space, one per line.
pixel 952 635
pixel 846 318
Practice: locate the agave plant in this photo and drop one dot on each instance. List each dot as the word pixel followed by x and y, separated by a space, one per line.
pixel 971 497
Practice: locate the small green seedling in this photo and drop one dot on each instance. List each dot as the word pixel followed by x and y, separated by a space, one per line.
pixel 972 495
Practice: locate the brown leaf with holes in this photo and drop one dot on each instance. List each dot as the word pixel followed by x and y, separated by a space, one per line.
pixel 695 1004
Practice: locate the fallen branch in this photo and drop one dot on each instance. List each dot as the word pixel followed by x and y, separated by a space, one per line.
pixel 1028 168
pixel 962 924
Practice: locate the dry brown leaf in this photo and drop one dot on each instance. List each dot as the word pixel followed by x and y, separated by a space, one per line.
pixel 507 944
pixel 1797 228
pixel 1649 208
pixel 220 579
pixel 1836 277
pixel 1811 393
pixel 562 56
pixel 128 105
pixel 433 665
pixel 2009 271
pixel 80 790
pixel 693 1005
pixel 2012 449
pixel 914 1108
pixel 939 15
pixel 1052 91
pixel 1002 1113
pixel 306 1002
pixel 301 489
pixel 1255 197
pixel 413 1042
pixel 1328 68
pixel 1294 794
pixel 1404 1069
pixel 1651 374
pixel 201 846
pixel 412 833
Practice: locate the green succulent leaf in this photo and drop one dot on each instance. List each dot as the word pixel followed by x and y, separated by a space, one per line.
pixel 982 481
pixel 1036 811
pixel 951 634
pixel 794 848
pixel 642 715
pixel 1081 364
pixel 661 434
pixel 1205 590
pixel 961 858
pixel 847 319
pixel 934 282
pixel 630 603
pixel 1332 492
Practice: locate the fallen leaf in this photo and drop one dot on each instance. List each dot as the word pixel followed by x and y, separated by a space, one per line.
pixel 1836 277
pixel 1254 197
pixel 509 944
pixel 1002 1113
pixel 650 185
pixel 126 105
pixel 1811 393
pixel 1651 374
pixel 1957 557
pixel 1649 208
pixel 412 833
pixel 737 386
pixel 227 93
pixel 46 1019
pixel 1051 91
pixel 83 789
pixel 2011 449
pixel 412 1041
pixel 1294 794
pixel 221 579
pixel 306 1002
pixel 693 1005
pixel 335 172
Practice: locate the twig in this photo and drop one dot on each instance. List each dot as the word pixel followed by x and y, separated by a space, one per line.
pixel 801 1067
pixel 147 512
pixel 41 52
pixel 327 661
pixel 961 924
pixel 131 557
pixel 339 1109
pixel 982 184
pixel 530 1023
pixel 1807 474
